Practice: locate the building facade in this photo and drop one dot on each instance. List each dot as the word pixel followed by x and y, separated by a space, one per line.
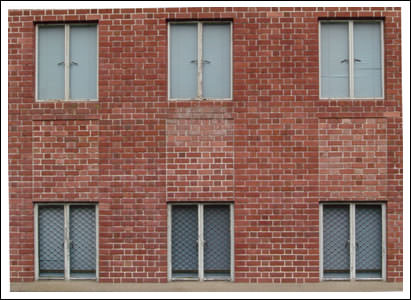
pixel 244 144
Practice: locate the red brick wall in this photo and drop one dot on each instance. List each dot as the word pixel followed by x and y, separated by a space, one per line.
pixel 267 150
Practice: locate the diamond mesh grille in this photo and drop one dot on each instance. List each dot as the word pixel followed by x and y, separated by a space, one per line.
pixel 336 234
pixel 217 238
pixel 184 238
pixel 51 238
pixel 368 231
pixel 83 238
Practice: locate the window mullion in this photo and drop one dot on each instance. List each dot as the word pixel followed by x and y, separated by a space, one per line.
pixel 351 57
pixel 352 241
pixel 66 61
pixel 200 60
pixel 66 243
pixel 200 242
pixel 384 242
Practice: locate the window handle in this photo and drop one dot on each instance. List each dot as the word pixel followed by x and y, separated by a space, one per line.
pixel 204 61
pixel 347 243
pixel 357 60
pixel 73 62
pixel 60 63
pixel 344 60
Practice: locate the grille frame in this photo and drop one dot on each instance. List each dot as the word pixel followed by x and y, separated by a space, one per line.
pixel 353 271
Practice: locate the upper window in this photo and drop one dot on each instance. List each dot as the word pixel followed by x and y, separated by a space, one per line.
pixel 200 61
pixel 67 62
pixel 351 59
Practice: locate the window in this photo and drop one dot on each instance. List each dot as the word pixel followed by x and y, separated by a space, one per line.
pixel 200 242
pixel 353 241
pixel 66 62
pixel 200 60
pixel 351 59
pixel 66 241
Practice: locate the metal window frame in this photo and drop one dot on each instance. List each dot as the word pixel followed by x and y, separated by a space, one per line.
pixel 67 27
pixel 352 208
pixel 351 59
pixel 66 276
pixel 201 243
pixel 199 95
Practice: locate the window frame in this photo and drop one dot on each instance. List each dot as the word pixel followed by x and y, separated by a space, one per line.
pixel 351 58
pixel 352 208
pixel 199 95
pixel 66 27
pixel 200 220
pixel 66 242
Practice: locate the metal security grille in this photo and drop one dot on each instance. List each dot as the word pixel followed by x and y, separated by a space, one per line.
pixel 336 244
pixel 51 240
pixel 368 232
pixel 217 240
pixel 82 240
pixel 184 241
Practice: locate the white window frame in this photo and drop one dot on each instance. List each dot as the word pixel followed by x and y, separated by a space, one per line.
pixel 66 242
pixel 66 62
pixel 200 24
pixel 353 241
pixel 201 242
pixel 351 58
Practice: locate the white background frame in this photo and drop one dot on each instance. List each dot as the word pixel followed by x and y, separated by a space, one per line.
pixel 66 62
pixel 200 207
pixel 351 58
pixel 199 58
pixel 66 241
pixel 351 206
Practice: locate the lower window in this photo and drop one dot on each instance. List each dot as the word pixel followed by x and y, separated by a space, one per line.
pixel 66 241
pixel 353 241
pixel 201 242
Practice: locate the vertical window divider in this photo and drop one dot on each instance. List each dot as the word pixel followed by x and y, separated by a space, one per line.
pixel 384 241
pixel 382 60
pixel 36 242
pixel 321 241
pixel 200 60
pixel 351 57
pixel 66 61
pixel 200 242
pixel 232 241
pixel 36 89
pixel 352 241
pixel 169 241
pixel 66 243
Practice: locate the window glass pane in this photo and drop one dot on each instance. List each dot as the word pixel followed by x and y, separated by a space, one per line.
pixel 183 61
pixel 336 245
pixel 51 241
pixel 217 61
pixel 184 235
pixel 83 241
pixel 50 63
pixel 368 234
pixel 217 242
pixel 334 60
pixel 367 60
pixel 83 62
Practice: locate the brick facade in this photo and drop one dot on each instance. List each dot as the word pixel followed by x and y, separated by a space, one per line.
pixel 276 150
